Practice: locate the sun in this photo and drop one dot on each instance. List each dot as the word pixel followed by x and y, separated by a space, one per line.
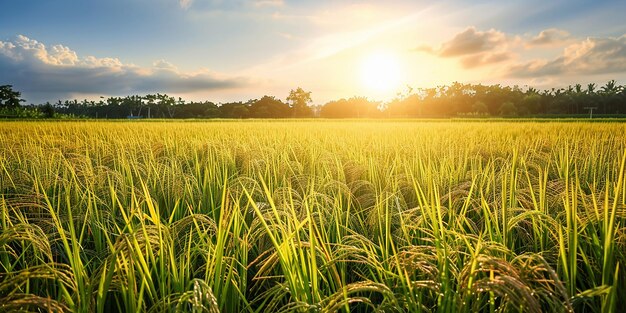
pixel 380 72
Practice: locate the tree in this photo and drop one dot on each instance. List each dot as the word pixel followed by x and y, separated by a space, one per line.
pixel 47 110
pixel 300 100
pixel 350 108
pixel 480 107
pixel 508 109
pixel 9 98
pixel 269 107
pixel 234 110
pixel 531 104
pixel 610 97
pixel 165 104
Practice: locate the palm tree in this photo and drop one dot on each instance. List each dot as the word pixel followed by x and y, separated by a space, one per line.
pixel 609 90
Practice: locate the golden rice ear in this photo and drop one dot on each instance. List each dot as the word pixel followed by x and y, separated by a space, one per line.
pixel 498 277
pixel 526 282
pixel 193 227
pixel 420 262
pixel 543 280
pixel 358 293
pixel 26 233
pixel 199 297
pixel 31 303
pixel 56 274
pixel 364 193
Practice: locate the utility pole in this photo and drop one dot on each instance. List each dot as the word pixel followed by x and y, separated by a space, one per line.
pixel 590 111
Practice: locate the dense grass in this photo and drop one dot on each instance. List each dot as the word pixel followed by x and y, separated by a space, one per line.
pixel 357 216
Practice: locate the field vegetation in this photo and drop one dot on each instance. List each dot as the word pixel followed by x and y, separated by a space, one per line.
pixel 312 216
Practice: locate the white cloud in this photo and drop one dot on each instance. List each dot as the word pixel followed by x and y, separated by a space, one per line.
pixel 58 71
pixel 164 65
pixel 588 57
pixel 474 48
pixel 472 41
pixel 185 4
pixel 268 3
pixel 486 58
pixel 549 37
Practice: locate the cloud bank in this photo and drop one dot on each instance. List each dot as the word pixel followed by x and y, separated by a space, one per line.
pixel 591 56
pixel 475 48
pixel 472 41
pixel 552 36
pixel 56 72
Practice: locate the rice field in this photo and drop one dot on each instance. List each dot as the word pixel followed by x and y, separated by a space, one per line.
pixel 312 216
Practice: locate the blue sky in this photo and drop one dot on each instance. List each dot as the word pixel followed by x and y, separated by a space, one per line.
pixel 237 50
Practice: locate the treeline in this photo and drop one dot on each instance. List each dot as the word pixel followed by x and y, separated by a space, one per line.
pixel 444 101
pixel 496 100
pixel 163 106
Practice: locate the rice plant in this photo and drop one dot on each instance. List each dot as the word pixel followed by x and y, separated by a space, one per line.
pixel 312 216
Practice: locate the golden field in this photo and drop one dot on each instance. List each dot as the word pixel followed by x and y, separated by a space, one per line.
pixel 312 216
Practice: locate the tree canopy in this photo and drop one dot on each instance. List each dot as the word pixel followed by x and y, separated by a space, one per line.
pixel 300 100
pixel 444 101
pixel 9 97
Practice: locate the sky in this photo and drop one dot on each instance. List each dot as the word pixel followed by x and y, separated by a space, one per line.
pixel 222 51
